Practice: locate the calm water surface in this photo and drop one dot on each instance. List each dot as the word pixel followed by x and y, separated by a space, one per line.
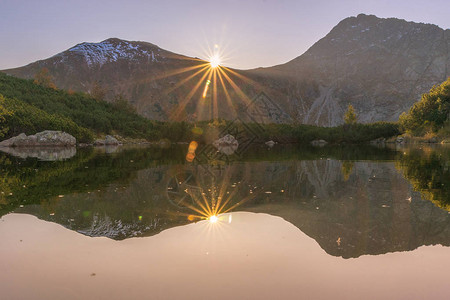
pixel 292 223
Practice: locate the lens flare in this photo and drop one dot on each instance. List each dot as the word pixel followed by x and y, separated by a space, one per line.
pixel 191 151
pixel 205 91
pixel 213 219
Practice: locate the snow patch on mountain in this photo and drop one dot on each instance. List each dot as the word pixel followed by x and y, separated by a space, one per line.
pixel 116 229
pixel 110 51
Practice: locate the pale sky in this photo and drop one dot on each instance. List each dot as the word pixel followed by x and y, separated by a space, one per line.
pixel 250 33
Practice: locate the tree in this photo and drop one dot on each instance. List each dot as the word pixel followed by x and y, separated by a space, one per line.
pixel 350 116
pixel 431 112
pixel 44 78
pixel 4 113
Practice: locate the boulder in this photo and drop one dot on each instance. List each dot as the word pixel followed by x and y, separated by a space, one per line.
pixel 226 144
pixel 46 138
pixel 270 143
pixel 109 140
pixel 319 143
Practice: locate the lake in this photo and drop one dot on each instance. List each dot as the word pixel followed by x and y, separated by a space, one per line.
pixel 288 222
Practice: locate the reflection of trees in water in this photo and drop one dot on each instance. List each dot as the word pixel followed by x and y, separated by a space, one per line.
pixel 32 181
pixel 428 170
pixel 372 211
pixel 347 167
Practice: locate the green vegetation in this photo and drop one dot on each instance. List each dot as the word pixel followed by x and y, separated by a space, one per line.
pixel 350 116
pixel 289 133
pixel 4 113
pixel 29 107
pixel 431 113
pixel 429 173
pixel 47 108
pixel 29 119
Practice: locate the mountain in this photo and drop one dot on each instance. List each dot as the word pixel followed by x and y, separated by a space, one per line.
pixel 129 69
pixel 380 66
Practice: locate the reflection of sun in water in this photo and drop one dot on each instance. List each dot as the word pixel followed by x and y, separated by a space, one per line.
pixel 206 197
pixel 214 61
pixel 213 219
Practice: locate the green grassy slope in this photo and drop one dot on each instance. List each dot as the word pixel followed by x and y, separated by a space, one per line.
pixel 36 107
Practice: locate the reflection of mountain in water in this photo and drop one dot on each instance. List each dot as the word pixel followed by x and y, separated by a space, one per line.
pixel 368 208
pixel 375 211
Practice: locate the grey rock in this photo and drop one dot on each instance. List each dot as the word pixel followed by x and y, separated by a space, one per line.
pixel 319 143
pixel 270 143
pixel 46 138
pixel 226 144
pixel 99 142
pixel 109 140
pixel 400 140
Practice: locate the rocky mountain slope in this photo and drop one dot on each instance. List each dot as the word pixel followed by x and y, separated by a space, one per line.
pixel 380 66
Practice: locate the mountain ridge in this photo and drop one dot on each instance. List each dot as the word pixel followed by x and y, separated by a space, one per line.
pixel 380 66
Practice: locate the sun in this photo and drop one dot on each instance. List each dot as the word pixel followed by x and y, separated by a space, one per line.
pixel 213 219
pixel 214 61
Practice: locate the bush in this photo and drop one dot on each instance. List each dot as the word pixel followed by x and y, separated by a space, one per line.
pixel 430 113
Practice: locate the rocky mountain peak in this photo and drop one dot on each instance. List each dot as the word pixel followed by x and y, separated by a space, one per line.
pixel 380 66
pixel 368 31
pixel 112 50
